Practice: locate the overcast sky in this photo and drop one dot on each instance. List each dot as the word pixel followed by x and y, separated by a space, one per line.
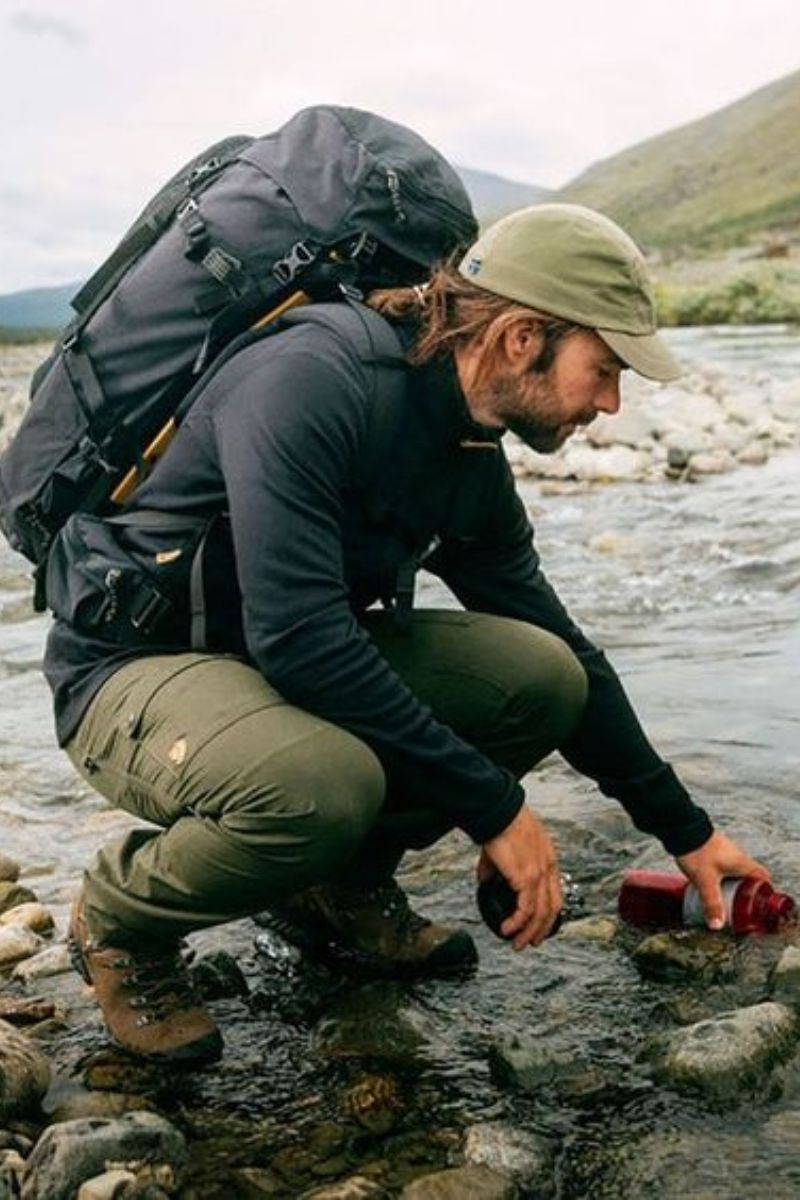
pixel 102 99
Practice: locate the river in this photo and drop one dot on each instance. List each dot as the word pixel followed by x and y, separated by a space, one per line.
pixel 692 588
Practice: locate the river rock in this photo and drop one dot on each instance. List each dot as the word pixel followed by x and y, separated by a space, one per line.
pixel 612 464
pixel 219 976
pixel 24 1074
pixel 477 1183
pixel 9 869
pixel 256 1183
pixel 729 1053
pixel 55 960
pixel 16 942
pixel 107 1186
pixel 517 1153
pixel 9 1186
pixel 631 426
pixel 357 1187
pixel 716 462
pixel 785 401
pixel 375 1102
pixel 530 1064
pixel 754 454
pixel 12 894
pixel 34 915
pixel 69 1154
pixel 785 978
pixel 21 1010
pixel 589 929
pixel 685 954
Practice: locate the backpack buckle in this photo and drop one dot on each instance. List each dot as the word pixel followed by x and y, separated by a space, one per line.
pixel 301 255
pixel 146 610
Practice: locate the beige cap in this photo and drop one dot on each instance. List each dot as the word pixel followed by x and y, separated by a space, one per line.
pixel 574 263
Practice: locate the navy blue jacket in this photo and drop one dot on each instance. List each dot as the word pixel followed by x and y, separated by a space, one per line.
pixel 281 437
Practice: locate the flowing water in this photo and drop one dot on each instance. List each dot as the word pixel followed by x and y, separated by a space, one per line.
pixel 693 589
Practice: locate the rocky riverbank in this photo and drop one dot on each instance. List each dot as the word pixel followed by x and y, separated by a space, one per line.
pixel 80 1121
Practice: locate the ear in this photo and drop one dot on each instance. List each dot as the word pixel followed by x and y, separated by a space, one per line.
pixel 521 342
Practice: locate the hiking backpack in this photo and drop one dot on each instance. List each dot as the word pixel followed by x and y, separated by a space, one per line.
pixel 336 201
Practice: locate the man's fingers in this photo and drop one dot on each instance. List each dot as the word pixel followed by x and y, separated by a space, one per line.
pixel 711 899
pixel 536 929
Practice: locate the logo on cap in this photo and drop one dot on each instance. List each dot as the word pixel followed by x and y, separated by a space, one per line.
pixel 474 265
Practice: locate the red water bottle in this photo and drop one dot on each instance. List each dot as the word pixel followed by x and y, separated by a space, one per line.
pixel 664 900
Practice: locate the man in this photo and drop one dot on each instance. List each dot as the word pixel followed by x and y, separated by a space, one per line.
pixel 289 766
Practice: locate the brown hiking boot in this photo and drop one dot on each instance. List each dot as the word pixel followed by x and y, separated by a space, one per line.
pixel 148 1000
pixel 376 930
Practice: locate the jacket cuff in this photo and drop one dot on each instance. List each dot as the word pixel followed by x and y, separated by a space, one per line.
pixel 498 817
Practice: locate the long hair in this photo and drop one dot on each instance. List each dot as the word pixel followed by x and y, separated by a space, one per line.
pixel 451 312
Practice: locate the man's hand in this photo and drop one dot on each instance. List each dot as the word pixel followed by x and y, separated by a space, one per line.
pixel 705 868
pixel 525 856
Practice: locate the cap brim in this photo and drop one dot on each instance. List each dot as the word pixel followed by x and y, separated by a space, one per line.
pixel 646 353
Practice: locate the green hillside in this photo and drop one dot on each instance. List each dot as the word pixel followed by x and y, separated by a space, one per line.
pixel 725 179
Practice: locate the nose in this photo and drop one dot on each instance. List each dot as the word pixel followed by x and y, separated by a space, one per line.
pixel 608 400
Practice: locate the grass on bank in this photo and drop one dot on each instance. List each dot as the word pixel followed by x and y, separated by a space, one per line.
pixel 736 293
pixel 13 336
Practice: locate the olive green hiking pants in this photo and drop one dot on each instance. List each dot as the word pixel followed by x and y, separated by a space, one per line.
pixel 252 799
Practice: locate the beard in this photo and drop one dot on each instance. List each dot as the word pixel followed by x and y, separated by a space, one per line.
pixel 532 410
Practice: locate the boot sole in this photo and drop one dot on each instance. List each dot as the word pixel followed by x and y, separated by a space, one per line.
pixel 455 958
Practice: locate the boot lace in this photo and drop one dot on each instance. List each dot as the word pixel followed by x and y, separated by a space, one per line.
pixel 161 984
pixel 393 904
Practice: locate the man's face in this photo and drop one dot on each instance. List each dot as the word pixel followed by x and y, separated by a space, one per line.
pixel 544 409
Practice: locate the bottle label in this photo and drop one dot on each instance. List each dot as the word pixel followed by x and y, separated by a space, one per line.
pixel 693 909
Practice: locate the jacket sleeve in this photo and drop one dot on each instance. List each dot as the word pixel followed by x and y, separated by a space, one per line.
pixel 288 434
pixel 499 573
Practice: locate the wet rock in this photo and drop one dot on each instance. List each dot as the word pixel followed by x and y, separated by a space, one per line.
pixel 685 954
pixel 54 960
pixel 17 942
pixel 785 980
pixel 108 1186
pixel 589 929
pixel 256 1183
pixel 9 869
pixel 631 426
pixel 478 1183
pixel 111 1070
pixel 357 1187
pixel 69 1101
pixel 519 1154
pixel 69 1154
pixel 33 915
pixel 18 1010
pixel 375 1102
pixel 531 1064
pixel 9 1179
pixel 24 1073
pixel 687 1008
pixel 372 1022
pixel 730 1053
pixel 12 894
pixel 219 976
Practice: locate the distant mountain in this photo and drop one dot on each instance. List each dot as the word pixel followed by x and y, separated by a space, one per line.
pixel 493 196
pixel 39 308
pixel 710 184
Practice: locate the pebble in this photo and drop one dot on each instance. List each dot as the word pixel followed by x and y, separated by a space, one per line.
pixel 375 1102
pixel 458 1183
pixel 357 1187
pixel 9 869
pixel 16 942
pixel 18 1010
pixel 24 1074
pixel 219 976
pixel 55 960
pixel 589 929
pixel 106 1186
pixel 33 915
pixel 728 1054
pixel 12 894
pixel 256 1183
pixel 69 1154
